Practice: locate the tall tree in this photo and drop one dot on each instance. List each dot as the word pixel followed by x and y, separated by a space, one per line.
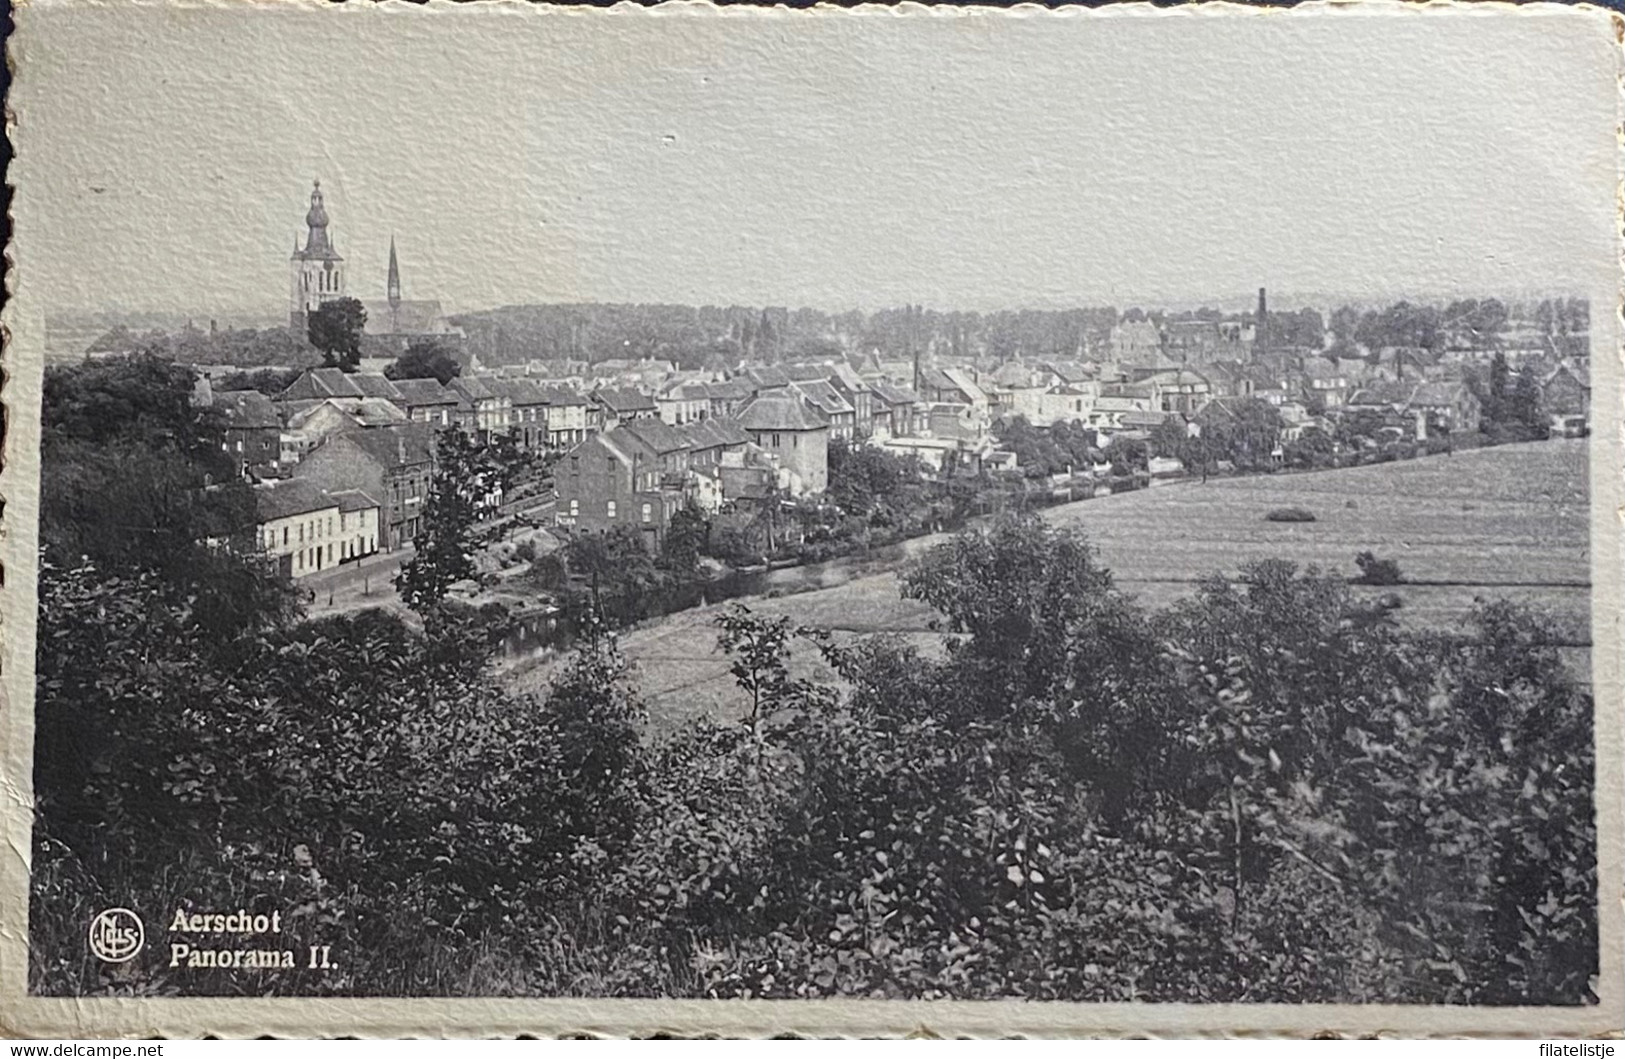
pixel 685 541
pixel 467 475
pixel 427 359
pixel 335 328
pixel 135 480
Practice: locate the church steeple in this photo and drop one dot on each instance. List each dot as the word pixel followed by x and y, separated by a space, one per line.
pixel 394 276
pixel 317 269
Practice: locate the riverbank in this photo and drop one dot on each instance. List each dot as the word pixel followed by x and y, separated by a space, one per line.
pixel 1507 521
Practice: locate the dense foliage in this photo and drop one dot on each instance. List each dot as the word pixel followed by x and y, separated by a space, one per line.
pixel 1066 447
pixel 426 359
pixel 336 329
pixel 471 476
pixel 245 348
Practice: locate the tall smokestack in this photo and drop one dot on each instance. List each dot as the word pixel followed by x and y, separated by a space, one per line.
pixel 914 342
pixel 1260 324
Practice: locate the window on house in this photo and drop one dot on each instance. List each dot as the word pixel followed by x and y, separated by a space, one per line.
pixel 648 512
pixel 575 508
pixel 609 508
pixel 301 533
pixel 284 535
pixel 775 441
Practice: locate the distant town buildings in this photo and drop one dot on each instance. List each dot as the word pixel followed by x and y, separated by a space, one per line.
pixel 344 462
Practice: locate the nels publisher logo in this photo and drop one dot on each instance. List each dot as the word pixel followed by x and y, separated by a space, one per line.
pixel 116 935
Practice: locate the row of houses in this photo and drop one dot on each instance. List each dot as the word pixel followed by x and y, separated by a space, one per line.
pixel 347 441
pixel 371 438
pixel 761 433
pixel 1114 397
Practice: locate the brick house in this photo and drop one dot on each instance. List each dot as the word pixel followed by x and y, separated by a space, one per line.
pixel 253 428
pixel 623 477
pixel 394 464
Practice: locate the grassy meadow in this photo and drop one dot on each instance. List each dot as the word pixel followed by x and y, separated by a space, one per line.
pixel 1508 522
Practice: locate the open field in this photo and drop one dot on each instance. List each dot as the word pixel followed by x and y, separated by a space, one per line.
pixel 1508 522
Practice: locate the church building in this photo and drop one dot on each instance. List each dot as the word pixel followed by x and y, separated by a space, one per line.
pixel 398 322
pixel 318 270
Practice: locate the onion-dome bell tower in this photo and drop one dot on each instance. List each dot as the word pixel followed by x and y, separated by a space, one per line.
pixel 317 269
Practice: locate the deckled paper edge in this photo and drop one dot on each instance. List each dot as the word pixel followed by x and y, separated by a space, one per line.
pixel 22 329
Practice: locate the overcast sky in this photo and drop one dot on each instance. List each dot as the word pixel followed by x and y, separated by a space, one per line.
pixel 518 155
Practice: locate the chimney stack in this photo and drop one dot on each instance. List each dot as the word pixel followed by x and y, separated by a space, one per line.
pixel 1260 325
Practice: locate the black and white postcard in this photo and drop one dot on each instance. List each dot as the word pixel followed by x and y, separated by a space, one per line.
pixel 718 520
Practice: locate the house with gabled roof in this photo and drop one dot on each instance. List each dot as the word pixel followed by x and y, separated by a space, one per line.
pixel 683 401
pixel 374 386
pixel 527 410
pixel 1325 381
pixel 858 394
pixel 837 409
pixel 1064 402
pixel 253 429
pixel 491 407
pixel 710 440
pixel 627 476
pixel 898 411
pixel 788 426
pixel 426 401
pixel 296 524
pixel 1566 391
pixel 616 406
pixel 392 464
pixel 1183 390
pixel 567 416
pixel 318 384
pixel 759 377
pixel 1451 405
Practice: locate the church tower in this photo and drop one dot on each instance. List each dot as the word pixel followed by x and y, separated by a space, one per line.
pixel 317 270
pixel 394 290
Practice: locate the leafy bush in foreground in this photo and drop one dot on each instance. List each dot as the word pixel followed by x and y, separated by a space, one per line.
pixel 1375 571
pixel 1267 793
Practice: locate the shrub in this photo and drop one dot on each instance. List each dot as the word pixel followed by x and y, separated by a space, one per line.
pixel 1289 514
pixel 1074 799
pixel 1375 571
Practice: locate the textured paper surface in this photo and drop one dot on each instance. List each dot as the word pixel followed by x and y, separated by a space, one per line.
pixel 132 121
